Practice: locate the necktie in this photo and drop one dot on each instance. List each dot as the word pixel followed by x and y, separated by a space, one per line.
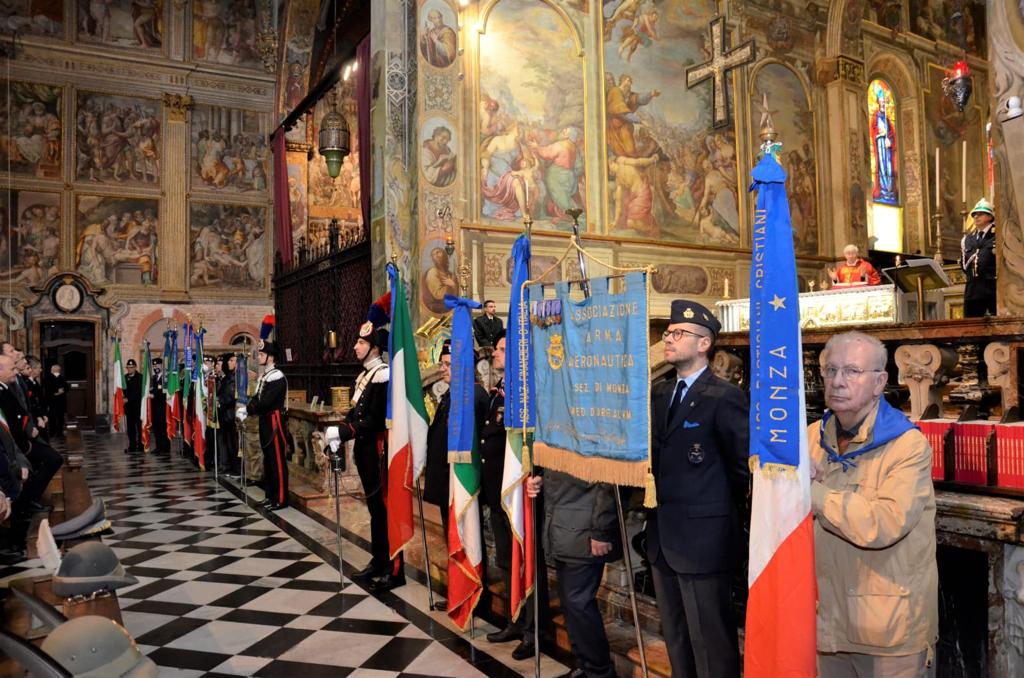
pixel 677 399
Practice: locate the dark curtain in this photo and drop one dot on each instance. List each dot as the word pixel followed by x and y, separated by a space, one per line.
pixel 282 203
pixel 363 86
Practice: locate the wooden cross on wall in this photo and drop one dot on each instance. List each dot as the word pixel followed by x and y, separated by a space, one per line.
pixel 721 63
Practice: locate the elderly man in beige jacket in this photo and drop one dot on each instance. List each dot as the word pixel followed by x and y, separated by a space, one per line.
pixel 874 528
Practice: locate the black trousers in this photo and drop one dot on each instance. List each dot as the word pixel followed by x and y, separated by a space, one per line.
pixel 275 470
pixel 979 298
pixel 698 622
pixel 577 589
pixel 134 426
pixel 45 462
pixel 227 442
pixel 159 427
pixel 56 421
pixel 373 474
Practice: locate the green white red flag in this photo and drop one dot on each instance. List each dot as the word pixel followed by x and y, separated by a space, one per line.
pixel 147 398
pixel 118 407
pixel 407 420
pixel 199 420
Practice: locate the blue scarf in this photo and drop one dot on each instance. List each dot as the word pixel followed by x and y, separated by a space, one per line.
pixel 462 416
pixel 890 424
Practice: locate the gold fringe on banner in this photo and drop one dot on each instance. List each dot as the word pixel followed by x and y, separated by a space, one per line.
pixel 591 469
pixel 772 471
pixel 650 490
pixel 460 457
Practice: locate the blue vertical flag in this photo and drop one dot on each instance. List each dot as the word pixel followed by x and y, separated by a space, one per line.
pixel 518 354
pixel 461 419
pixel 242 379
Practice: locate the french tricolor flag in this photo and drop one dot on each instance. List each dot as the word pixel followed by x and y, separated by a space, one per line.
pixel 780 631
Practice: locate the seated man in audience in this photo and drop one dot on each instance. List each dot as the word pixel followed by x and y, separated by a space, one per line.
pixel 874 528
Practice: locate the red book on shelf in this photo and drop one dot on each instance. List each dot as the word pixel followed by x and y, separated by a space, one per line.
pixel 970 458
pixel 1010 455
pixel 935 431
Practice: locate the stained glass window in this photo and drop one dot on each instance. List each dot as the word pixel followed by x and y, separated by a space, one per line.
pixel 882 124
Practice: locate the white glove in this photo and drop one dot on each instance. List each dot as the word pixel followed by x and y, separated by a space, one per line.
pixel 241 414
pixel 333 438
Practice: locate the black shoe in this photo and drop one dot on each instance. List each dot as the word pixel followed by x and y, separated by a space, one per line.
pixel 575 673
pixel 387 582
pixel 266 503
pixel 441 606
pixel 274 506
pixel 39 507
pixel 369 572
pixel 525 649
pixel 506 634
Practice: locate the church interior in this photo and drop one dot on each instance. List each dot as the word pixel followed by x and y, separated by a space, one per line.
pixel 199 166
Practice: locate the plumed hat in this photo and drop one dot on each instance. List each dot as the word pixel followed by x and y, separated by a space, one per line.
pixel 686 311
pixel 373 330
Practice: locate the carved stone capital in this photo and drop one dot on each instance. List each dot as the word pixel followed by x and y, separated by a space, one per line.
pixel 178 106
pixel 998 360
pixel 924 369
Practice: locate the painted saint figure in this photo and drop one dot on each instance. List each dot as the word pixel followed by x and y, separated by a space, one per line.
pixel 438 43
pixel 883 135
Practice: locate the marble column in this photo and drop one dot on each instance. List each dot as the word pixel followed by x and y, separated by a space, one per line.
pixel 173 248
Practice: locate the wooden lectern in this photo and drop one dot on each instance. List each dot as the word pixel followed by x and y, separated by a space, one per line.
pixel 918 275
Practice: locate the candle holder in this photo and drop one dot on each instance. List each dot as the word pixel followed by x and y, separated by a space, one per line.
pixel 810 285
pixel 937 218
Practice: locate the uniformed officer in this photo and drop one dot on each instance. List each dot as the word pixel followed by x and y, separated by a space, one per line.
pixel 159 408
pixel 699 437
pixel 133 405
pixel 978 260
pixel 366 424
pixel 269 404
pixel 492 457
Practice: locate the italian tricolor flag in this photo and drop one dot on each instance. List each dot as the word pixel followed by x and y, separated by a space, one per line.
pixel 407 420
pixel 519 508
pixel 118 413
pixel 199 423
pixel 147 399
pixel 465 552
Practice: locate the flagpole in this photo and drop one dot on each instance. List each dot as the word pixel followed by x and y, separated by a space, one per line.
pixel 336 468
pixel 426 552
pixel 585 287
pixel 538 564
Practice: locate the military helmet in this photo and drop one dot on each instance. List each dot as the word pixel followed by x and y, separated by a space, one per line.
pixel 984 206
pixel 90 567
pixel 97 647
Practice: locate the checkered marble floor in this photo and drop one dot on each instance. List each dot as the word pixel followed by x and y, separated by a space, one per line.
pixel 225 590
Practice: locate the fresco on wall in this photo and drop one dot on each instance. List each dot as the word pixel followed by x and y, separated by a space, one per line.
pixel 32 17
pixel 670 176
pixel 122 23
pixel 439 43
pixel 225 32
pixel 229 149
pixel 934 19
pixel 30 129
pixel 116 239
pixel 117 138
pixel 884 149
pixel 531 110
pixel 30 243
pixel 438 277
pixel 297 198
pixel 794 121
pixel 295 79
pixel 228 245
pixel 337 197
pixel 437 151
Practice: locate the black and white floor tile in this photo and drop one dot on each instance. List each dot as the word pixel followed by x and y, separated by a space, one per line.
pixel 225 590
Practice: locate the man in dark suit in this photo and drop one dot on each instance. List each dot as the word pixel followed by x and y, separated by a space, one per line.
pixel 699 437
pixel 159 408
pixel 57 395
pixel 978 260
pixel 487 326
pixel 133 405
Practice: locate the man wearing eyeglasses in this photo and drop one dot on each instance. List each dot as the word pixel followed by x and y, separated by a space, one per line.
pixel 700 447
pixel 874 528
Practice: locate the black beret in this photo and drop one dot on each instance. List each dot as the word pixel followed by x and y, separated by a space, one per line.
pixel 686 311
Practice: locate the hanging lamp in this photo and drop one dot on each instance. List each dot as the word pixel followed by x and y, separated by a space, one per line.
pixel 335 139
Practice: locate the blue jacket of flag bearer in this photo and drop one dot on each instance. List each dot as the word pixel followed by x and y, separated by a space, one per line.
pixel 702 475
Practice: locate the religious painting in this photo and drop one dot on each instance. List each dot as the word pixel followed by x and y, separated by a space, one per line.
pixel 882 126
pixel 936 20
pixel 226 32
pixel 438 278
pixel 229 245
pixel 117 138
pixel 31 129
pixel 680 279
pixel 229 151
pixel 439 43
pixel 298 48
pixel 337 197
pixel 671 176
pixel 30 242
pixel 438 161
pixel 793 120
pixel 122 23
pixel 32 17
pixel 297 198
pixel 117 239
pixel 531 109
